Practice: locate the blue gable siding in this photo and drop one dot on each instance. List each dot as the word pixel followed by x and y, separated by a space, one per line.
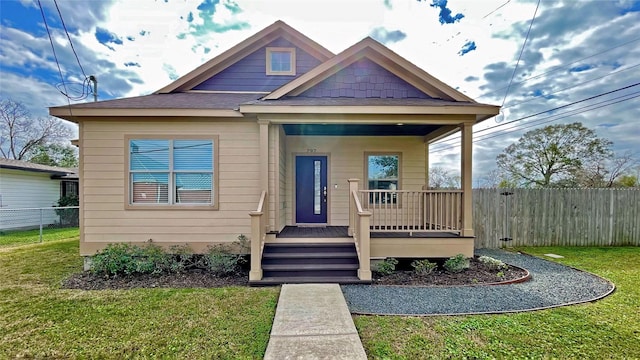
pixel 249 74
pixel 364 79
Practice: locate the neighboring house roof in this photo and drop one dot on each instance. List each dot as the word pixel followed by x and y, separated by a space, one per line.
pixel 27 166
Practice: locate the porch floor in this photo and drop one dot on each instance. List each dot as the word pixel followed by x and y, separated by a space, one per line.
pixel 341 232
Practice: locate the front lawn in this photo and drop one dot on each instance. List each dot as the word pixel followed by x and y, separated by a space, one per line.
pixel 22 237
pixel 40 320
pixel 606 329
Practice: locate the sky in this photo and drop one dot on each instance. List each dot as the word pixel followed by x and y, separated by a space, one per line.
pixel 578 60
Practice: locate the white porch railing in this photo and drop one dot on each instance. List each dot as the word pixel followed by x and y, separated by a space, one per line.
pixel 258 236
pixel 413 211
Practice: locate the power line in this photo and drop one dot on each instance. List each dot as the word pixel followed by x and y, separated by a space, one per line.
pixel 69 37
pixel 44 18
pixel 554 118
pixel 85 85
pixel 498 8
pixel 557 68
pixel 557 118
pixel 557 108
pixel 571 87
pixel 521 51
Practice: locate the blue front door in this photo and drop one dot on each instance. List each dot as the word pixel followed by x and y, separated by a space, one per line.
pixel 311 189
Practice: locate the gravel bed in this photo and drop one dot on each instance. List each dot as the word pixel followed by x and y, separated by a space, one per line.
pixel 551 285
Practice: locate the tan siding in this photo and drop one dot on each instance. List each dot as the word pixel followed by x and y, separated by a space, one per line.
pixel 103 194
pixel 346 160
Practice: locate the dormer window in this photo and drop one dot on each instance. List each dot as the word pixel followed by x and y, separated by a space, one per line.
pixel 281 61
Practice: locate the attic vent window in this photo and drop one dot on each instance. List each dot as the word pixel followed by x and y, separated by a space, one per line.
pixel 281 61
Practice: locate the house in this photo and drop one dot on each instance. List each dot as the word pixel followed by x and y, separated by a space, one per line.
pixel 24 185
pixel 282 140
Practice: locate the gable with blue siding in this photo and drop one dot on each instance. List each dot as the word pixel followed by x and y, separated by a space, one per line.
pixel 249 73
pixel 364 79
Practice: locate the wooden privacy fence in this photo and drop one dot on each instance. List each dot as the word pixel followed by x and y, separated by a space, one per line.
pixel 556 217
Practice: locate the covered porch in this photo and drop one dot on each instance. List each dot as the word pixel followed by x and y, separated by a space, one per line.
pixel 409 220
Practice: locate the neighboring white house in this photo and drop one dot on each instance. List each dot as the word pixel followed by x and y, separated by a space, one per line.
pixel 24 185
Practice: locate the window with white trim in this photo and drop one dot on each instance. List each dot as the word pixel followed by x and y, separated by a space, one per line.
pixel 383 174
pixel 281 61
pixel 166 171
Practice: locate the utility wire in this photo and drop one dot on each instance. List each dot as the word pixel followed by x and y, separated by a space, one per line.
pixel 521 51
pixel 557 108
pixel 571 87
pixel 44 18
pixel 555 117
pixel 498 8
pixel 85 85
pixel 557 68
pixel 69 37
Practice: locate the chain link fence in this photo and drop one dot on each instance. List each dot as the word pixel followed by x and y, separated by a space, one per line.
pixel 31 225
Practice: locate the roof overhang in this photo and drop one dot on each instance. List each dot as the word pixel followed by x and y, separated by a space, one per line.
pixel 480 112
pixel 76 114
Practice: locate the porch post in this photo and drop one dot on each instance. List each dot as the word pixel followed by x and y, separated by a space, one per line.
pixel 256 246
pixel 264 168
pixel 426 166
pixel 364 235
pixel 353 186
pixel 466 157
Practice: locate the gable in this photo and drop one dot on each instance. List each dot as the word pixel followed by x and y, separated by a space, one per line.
pixel 380 55
pixel 249 73
pixel 364 79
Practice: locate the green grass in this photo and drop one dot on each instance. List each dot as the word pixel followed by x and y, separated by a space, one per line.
pixel 22 237
pixel 606 329
pixel 38 319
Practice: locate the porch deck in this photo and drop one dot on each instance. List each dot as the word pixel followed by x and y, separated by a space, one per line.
pixel 341 232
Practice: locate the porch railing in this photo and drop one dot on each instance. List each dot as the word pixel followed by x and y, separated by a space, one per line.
pixel 361 236
pixel 258 237
pixel 413 211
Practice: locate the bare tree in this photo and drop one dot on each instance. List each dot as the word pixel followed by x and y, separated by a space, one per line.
pixel 605 172
pixel 20 133
pixel 440 178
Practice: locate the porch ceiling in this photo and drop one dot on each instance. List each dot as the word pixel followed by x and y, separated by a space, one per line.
pixel 358 130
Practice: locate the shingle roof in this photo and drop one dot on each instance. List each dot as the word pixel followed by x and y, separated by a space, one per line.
pixel 27 166
pixel 191 100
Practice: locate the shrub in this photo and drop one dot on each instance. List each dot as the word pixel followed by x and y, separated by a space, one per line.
pixel 115 259
pixel 221 261
pixel 456 264
pixel 151 259
pixel 126 259
pixel 423 267
pixel 387 266
pixel 492 263
pixel 183 259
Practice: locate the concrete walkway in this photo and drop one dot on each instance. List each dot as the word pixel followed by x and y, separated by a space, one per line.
pixel 313 322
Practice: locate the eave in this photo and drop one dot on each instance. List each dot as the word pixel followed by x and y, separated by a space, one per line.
pixel 76 114
pixel 481 112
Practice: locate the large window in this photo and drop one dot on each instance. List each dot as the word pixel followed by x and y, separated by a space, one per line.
pixel 383 174
pixel 172 171
pixel 281 61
